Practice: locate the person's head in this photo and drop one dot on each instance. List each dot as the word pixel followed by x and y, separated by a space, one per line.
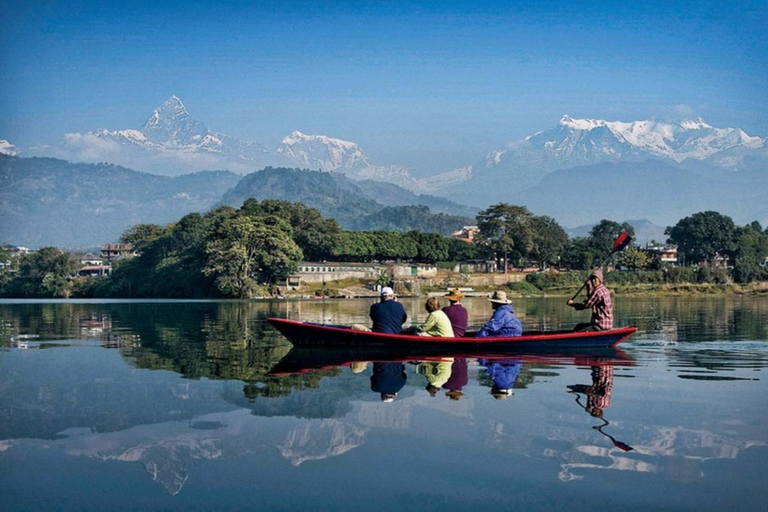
pixel 498 299
pixel 388 397
pixel 432 304
pixel 387 293
pixel 454 394
pixel 501 393
pixel 596 278
pixel 454 295
pixel 432 390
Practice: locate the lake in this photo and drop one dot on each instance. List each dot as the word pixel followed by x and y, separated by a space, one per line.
pixel 169 405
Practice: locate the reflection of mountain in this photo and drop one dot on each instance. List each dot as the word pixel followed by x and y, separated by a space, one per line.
pixel 676 452
pixel 320 439
pixel 169 451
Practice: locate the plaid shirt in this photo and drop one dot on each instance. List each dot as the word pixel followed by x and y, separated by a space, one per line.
pixel 602 310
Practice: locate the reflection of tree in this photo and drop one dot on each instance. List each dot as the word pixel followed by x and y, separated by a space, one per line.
pixel 274 386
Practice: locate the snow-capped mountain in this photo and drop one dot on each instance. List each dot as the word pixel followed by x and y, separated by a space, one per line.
pixel 171 131
pixel 6 148
pixel 577 142
pixel 172 142
pixel 321 152
pixel 689 144
pixel 329 154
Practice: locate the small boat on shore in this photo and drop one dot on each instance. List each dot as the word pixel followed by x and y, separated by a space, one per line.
pixel 307 334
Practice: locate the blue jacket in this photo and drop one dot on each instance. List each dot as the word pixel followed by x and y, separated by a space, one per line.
pixel 388 316
pixel 503 374
pixel 502 323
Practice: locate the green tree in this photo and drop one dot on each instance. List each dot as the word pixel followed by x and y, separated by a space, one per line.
pixel 579 254
pixel 507 230
pixel 603 234
pixel 702 236
pixel 549 240
pixel 246 250
pixel 751 254
pixel 634 258
pixel 430 247
pixel 141 235
pixel 47 273
pixel 317 236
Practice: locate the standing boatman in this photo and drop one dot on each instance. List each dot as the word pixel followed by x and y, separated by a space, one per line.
pixel 599 299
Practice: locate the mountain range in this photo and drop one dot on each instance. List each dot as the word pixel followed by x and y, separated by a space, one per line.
pixel 47 201
pixel 580 171
pixel 726 154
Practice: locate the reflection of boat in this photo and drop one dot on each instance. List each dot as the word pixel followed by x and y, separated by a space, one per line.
pixel 306 359
pixel 311 334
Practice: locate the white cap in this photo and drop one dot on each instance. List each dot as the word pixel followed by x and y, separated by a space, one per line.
pixel 387 291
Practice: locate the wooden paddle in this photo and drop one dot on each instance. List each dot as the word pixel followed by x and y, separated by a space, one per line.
pixel 620 243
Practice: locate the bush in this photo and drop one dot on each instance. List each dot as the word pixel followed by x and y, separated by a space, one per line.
pixel 552 279
pixel 523 288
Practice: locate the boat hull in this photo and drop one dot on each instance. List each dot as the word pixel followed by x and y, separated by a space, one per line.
pixel 305 334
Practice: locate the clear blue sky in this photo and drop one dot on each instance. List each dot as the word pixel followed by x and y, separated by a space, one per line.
pixel 412 82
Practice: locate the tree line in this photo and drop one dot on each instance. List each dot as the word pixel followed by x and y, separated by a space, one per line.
pixel 231 252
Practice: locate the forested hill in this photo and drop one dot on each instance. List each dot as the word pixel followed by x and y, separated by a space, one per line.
pixel 46 201
pixel 355 205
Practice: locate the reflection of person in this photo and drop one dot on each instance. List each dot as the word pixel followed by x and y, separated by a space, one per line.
pixel 456 313
pixel 458 379
pixel 599 399
pixel 503 374
pixel 599 299
pixel 388 315
pixel 437 323
pixel 503 322
pixel 388 379
pixel 437 373
pixel 599 393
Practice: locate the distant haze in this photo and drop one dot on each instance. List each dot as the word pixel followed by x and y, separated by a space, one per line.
pixel 423 85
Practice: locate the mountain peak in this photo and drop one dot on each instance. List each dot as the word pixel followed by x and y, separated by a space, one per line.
pixel 6 148
pixel 697 124
pixel 171 122
pixel 581 124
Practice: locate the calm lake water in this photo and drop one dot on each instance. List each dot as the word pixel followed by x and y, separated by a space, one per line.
pixel 170 406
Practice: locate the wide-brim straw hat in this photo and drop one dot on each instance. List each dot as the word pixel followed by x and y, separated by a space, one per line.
pixel 454 294
pixel 500 297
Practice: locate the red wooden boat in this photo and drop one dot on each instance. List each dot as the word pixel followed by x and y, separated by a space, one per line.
pixel 307 334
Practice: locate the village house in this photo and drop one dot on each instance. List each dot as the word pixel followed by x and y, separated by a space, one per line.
pixel 117 251
pixel 94 271
pixel 402 270
pixel 90 259
pixel 663 253
pixel 466 234
pixel 312 272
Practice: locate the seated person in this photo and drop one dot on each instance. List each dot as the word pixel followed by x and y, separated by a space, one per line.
pixel 437 323
pixel 388 315
pixel 503 322
pixel 456 312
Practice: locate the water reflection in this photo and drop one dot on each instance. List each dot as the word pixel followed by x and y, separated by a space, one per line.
pixel 186 385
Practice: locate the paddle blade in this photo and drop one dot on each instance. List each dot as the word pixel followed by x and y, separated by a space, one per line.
pixel 621 241
pixel 622 446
